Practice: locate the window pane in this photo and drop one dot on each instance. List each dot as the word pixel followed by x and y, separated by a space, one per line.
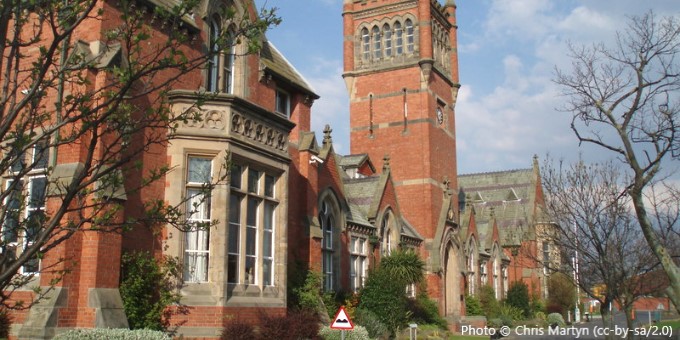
pixel 40 155
pixel 250 270
pixel 251 214
pixel 282 103
pixel 269 215
pixel 235 176
pixel 37 196
pixel 267 244
pixel 199 170
pixel 232 269
pixel 198 205
pixel 269 182
pixel 251 240
pixel 253 181
pixel 267 272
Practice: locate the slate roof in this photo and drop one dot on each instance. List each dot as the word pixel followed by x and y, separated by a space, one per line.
pixel 275 62
pixel 508 195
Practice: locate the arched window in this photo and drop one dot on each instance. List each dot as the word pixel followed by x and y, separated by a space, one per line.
pixel 326 219
pixel 387 37
pixel 389 234
pixel 410 39
pixel 399 41
pixel 228 65
pixel 472 266
pixel 365 43
pixel 377 46
pixel 213 62
pixel 496 273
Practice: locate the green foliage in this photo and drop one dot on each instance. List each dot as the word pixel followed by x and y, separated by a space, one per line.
pixel 404 266
pixel 111 334
pixel 561 292
pixel 511 313
pixel 473 306
pixel 304 287
pixel 518 297
pixel 487 298
pixel 556 319
pixel 358 333
pixel 494 323
pixel 147 288
pixel 375 328
pixel 424 311
pixel 386 298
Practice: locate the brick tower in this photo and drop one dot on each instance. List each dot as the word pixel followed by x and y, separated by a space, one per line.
pixel 401 71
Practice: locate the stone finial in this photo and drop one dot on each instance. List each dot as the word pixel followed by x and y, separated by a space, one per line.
pixel 492 212
pixel 386 162
pixel 327 140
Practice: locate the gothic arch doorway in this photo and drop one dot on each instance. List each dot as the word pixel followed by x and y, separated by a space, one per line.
pixel 452 281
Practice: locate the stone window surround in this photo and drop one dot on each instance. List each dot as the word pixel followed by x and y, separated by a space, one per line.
pixel 362 62
pixel 329 197
pixel 389 239
pixel 358 255
pixel 217 291
pixel 32 176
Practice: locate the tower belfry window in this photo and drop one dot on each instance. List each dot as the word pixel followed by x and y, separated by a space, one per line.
pixel 377 46
pixel 365 44
pixel 410 39
pixel 399 41
pixel 387 37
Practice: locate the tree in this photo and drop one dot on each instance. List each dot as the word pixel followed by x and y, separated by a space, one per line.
pixel 624 99
pixel 518 297
pixel 105 101
pixel 597 230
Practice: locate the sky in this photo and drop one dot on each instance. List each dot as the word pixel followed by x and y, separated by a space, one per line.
pixel 507 109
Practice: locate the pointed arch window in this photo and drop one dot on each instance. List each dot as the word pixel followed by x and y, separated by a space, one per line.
pixel 472 266
pixel 410 38
pixel 214 60
pixel 220 65
pixel 365 44
pixel 389 234
pixel 377 43
pixel 326 218
pixel 387 37
pixel 399 39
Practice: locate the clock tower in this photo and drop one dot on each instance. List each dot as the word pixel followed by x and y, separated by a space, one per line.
pixel 401 71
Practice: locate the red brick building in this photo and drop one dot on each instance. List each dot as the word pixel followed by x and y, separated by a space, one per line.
pixel 289 198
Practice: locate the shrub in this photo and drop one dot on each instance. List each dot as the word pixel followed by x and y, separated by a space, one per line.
pixel 540 316
pixel 236 329
pixel 556 319
pixel 375 328
pixel 111 334
pixel 384 297
pixel 358 333
pixel 518 297
pixel 472 306
pixel 425 311
pixel 5 323
pixel 147 289
pixel 509 313
pixel 495 323
pixel 404 266
pixel 561 293
pixel 295 325
pixel 487 298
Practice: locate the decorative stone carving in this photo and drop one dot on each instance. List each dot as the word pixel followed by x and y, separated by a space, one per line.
pixel 258 132
pixel 214 120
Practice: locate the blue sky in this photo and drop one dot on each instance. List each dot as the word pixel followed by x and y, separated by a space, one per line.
pixel 508 50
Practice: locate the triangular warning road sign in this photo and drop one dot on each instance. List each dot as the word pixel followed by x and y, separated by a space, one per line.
pixel 342 320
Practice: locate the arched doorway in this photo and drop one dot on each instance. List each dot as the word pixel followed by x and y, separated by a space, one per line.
pixel 452 281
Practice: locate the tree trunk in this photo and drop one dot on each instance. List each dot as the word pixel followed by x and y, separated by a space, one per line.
pixel 672 270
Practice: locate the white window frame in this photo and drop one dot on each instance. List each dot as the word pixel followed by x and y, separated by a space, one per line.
pixel 251 232
pixel 358 249
pixel 39 149
pixel 327 221
pixel 197 241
